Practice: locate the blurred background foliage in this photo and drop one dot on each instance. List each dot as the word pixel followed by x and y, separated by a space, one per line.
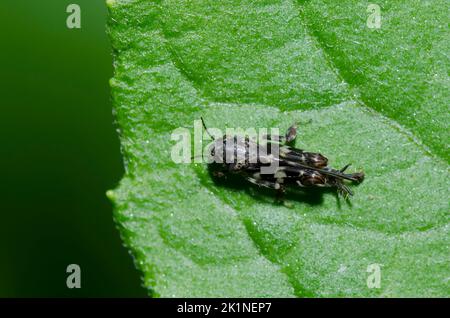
pixel 59 153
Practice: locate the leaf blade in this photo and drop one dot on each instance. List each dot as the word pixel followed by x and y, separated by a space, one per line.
pixel 180 225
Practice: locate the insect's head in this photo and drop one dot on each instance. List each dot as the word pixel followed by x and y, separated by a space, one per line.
pixel 224 150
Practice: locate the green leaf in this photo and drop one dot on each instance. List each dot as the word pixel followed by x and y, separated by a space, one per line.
pixel 377 98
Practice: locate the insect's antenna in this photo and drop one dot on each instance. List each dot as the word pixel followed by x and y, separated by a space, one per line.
pixel 206 129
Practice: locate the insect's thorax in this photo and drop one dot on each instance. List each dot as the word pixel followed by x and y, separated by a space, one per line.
pixel 240 152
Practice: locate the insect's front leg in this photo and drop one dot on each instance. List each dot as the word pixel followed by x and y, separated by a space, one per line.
pixel 291 133
pixel 289 137
pixel 264 183
pixel 280 188
pixel 280 194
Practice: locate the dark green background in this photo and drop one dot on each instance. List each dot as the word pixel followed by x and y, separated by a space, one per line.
pixel 59 154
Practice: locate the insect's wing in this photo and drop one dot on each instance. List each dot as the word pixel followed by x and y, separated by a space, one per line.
pixel 305 177
pixel 357 177
pixel 311 159
pixel 299 159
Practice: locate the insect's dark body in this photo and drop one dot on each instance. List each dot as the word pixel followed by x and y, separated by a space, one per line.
pixel 293 167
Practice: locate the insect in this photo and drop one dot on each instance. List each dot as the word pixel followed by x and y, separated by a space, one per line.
pixel 292 167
